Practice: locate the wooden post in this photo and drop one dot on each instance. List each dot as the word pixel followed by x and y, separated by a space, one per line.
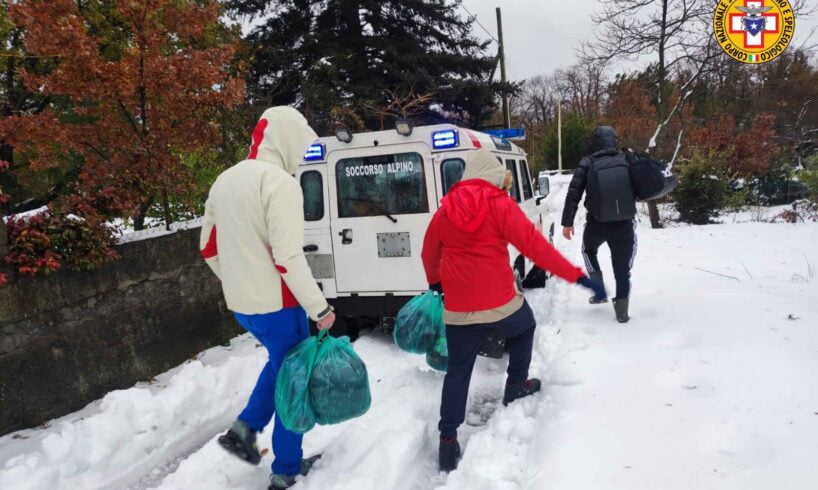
pixel 502 56
pixel 559 136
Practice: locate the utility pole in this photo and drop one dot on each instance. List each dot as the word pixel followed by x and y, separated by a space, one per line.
pixel 502 57
pixel 559 135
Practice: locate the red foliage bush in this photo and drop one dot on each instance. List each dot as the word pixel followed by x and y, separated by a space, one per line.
pixel 46 242
pixel 748 150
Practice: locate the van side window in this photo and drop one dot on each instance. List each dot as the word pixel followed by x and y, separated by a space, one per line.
pixel 381 185
pixel 515 189
pixel 451 171
pixel 312 185
pixel 528 193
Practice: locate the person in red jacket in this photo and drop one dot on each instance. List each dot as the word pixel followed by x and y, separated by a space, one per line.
pixel 465 254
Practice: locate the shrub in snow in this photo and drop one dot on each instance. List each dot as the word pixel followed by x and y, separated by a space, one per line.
pixel 802 211
pixel 46 242
pixel 809 176
pixel 703 191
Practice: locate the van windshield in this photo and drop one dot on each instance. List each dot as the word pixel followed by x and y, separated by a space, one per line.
pixel 382 185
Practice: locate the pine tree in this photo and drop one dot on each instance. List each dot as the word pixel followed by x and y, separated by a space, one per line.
pixel 360 54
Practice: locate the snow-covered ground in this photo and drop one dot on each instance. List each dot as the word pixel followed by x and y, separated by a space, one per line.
pixel 712 385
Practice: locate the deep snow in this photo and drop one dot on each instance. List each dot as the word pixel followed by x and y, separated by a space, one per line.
pixel 711 385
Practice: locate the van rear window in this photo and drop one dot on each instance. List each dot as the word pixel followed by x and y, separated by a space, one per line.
pixel 381 185
pixel 312 186
pixel 452 172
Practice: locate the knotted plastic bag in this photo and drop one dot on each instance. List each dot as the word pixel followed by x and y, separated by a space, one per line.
pixel 292 387
pixel 438 355
pixel 419 323
pixel 339 384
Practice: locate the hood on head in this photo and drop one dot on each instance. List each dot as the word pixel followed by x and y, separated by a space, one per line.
pixel 467 204
pixel 603 138
pixel 282 136
pixel 482 164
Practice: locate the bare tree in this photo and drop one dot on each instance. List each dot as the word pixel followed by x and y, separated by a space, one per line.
pixel 536 105
pixel 583 86
pixel 407 104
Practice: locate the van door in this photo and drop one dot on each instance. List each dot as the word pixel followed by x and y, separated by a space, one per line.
pixel 528 201
pixel 317 239
pixel 381 204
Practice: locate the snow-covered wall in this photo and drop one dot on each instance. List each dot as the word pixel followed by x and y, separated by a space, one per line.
pixel 69 338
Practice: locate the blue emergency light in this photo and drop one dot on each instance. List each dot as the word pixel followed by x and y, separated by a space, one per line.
pixel 315 153
pixel 445 139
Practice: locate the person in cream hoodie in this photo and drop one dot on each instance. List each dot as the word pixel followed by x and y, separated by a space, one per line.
pixel 252 238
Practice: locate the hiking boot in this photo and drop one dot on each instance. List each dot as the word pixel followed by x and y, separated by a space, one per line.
pixel 597 276
pixel 449 453
pixel 621 308
pixel 515 391
pixel 280 482
pixel 240 441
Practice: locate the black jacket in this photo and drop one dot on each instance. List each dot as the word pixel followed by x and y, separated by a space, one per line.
pixel 603 142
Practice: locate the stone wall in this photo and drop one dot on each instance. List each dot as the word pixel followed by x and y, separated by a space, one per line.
pixel 69 338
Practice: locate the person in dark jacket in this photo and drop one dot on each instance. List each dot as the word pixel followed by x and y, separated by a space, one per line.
pixel 619 235
pixel 465 254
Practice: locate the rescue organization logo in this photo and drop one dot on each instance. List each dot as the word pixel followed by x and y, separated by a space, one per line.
pixel 754 31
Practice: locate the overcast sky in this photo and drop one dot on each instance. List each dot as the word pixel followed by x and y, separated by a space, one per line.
pixel 543 35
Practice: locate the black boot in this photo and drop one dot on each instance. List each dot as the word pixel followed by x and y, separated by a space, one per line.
pixel 621 309
pixel 449 454
pixel 240 441
pixel 597 276
pixel 282 482
pixel 515 391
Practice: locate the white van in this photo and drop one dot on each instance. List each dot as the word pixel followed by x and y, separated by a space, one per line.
pixel 368 199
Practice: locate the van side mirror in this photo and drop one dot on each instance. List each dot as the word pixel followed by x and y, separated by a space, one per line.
pixel 544 184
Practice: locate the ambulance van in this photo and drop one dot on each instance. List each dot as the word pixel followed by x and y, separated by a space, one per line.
pixel 368 198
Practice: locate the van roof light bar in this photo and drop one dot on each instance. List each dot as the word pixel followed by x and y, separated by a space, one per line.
pixel 449 138
pixel 315 153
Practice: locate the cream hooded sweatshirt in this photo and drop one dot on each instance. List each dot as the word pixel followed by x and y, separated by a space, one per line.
pixel 253 230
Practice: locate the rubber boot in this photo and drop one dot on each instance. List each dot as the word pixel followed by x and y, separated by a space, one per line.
pixel 280 482
pixel 240 441
pixel 515 391
pixel 449 453
pixel 597 276
pixel 621 309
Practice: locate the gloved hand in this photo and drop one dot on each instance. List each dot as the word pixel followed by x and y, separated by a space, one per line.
pixel 596 286
pixel 436 287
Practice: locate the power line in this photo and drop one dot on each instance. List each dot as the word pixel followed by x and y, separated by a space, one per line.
pixel 478 22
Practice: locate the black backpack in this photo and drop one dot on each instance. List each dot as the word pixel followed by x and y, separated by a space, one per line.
pixel 610 195
pixel 650 178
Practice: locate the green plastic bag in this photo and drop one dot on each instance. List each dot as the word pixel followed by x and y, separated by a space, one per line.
pixel 419 323
pixel 339 384
pixel 322 380
pixel 292 387
pixel 438 355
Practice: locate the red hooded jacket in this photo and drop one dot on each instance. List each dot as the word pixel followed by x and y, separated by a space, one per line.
pixel 466 247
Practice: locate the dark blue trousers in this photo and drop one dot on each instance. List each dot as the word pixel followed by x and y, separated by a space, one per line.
pixel 464 343
pixel 621 239
pixel 278 332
